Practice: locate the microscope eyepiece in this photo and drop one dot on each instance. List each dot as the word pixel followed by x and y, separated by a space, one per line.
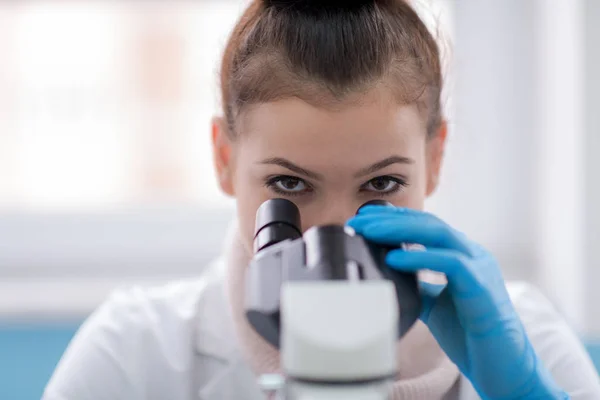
pixel 375 203
pixel 276 220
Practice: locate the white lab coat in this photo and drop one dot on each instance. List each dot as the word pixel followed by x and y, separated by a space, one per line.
pixel 177 342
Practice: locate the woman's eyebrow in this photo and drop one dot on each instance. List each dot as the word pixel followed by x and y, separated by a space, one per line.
pixel 382 164
pixel 282 162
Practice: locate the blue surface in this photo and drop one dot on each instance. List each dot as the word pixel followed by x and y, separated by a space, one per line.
pixel 29 353
pixel 594 350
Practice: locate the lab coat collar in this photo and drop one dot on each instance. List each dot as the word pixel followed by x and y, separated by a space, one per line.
pixel 223 373
pixel 215 334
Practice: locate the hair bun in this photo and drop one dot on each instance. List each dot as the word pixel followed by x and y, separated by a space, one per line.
pixel 317 5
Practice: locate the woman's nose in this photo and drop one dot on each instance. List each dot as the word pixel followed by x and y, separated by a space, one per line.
pixel 334 214
pixel 338 213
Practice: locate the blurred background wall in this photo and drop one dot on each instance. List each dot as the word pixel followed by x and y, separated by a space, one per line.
pixel 106 173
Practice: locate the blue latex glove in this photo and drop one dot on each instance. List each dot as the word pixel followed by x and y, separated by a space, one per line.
pixel 472 317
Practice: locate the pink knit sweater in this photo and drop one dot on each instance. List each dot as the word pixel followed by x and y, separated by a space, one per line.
pixel 424 370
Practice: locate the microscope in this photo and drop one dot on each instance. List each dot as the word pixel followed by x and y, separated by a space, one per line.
pixel 329 303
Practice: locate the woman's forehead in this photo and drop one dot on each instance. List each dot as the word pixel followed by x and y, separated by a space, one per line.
pixel 334 144
pixel 296 125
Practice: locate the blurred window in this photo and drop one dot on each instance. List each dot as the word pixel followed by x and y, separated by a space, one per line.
pixel 105 104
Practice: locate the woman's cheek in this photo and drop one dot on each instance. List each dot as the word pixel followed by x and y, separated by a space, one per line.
pixel 412 196
pixel 249 198
pixel 414 200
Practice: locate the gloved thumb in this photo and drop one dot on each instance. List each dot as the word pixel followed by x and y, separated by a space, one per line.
pixel 429 296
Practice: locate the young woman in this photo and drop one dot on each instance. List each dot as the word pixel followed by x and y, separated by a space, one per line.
pixel 331 106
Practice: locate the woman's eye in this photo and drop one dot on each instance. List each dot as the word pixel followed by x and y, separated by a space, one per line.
pixel 384 185
pixel 288 185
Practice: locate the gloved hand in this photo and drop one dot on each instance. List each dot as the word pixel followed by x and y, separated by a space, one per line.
pixel 472 317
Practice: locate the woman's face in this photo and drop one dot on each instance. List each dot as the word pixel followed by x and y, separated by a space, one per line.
pixel 327 162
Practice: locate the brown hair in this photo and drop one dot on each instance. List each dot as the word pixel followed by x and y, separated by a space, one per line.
pixel 322 52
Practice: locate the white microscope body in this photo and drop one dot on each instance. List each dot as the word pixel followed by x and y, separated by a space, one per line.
pixel 327 300
pixel 338 339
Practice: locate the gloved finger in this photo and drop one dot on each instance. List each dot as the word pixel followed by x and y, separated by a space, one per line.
pixel 394 229
pixel 451 263
pixel 387 212
pixel 390 211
